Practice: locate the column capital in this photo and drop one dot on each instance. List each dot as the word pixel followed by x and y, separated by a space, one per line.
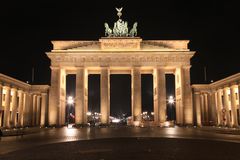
pixel 44 94
pixel 205 94
pixel 20 91
pixel 7 87
pixel 104 67
pixel 233 86
pixel 30 93
pixel 186 66
pixel 14 89
pixel 160 67
pixel 54 68
pixel 213 90
pixel 79 67
pixel 225 87
pixel 25 92
pixel 197 92
pixel 136 66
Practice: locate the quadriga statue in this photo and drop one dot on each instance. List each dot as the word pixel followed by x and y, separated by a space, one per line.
pixel 108 30
pixel 133 31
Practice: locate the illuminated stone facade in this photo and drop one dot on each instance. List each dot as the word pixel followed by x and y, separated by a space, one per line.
pixel 217 103
pixel 132 56
pixel 22 104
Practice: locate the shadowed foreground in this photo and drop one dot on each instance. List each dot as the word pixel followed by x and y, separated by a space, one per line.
pixel 131 148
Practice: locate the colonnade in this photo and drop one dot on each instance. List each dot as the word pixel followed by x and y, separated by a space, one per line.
pixel 57 99
pixel 217 105
pixel 21 106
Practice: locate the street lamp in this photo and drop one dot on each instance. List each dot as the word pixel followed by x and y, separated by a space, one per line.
pixel 171 102
pixel 70 102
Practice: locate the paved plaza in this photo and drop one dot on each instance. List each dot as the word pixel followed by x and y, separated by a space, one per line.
pixel 123 143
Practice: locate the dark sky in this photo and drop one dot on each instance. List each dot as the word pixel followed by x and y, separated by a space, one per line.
pixel 27 28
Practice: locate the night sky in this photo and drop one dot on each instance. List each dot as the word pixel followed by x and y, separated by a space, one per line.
pixel 212 27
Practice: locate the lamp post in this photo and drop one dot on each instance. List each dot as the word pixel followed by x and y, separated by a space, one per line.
pixel 171 102
pixel 70 102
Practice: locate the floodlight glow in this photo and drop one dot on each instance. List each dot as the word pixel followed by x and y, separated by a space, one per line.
pixel 171 100
pixel 116 120
pixel 89 113
pixel 70 100
pixel 136 123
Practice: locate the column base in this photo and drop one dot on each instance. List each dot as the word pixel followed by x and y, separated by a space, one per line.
pixel 79 125
pixel 166 124
pixel 235 126
pixel 104 125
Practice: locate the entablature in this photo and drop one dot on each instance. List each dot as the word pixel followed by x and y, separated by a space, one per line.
pixel 120 59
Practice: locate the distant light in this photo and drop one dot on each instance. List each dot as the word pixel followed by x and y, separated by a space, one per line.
pixel 136 123
pixel 116 120
pixel 152 113
pixel 70 100
pixel 170 100
pixel 89 113
pixel 167 124
pixel 211 81
pixel 70 132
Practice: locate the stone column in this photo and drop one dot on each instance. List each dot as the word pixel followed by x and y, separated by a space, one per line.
pixel 57 97
pixel 7 107
pixel 155 98
pixel 20 108
pixel 43 109
pixel 105 95
pixel 63 98
pixel 210 121
pixel 160 107
pixel 26 99
pixel 136 94
pixel 54 96
pixel 187 96
pixel 30 104
pixel 202 106
pixel 38 109
pixel 213 114
pixel 206 111
pixel 34 110
pixel 1 108
pixel 219 107
pixel 197 104
pixel 239 102
pixel 179 98
pixel 233 106
pixel 81 91
pixel 226 105
pixel 13 107
pixel 85 109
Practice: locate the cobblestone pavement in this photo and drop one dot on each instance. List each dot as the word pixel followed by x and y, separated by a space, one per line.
pixel 122 143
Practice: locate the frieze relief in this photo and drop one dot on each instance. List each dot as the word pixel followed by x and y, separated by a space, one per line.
pixel 121 59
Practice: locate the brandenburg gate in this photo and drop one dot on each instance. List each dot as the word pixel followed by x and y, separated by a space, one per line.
pixel 120 52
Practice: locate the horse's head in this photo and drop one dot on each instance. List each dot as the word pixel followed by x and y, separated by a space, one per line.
pixel 135 25
pixel 106 25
